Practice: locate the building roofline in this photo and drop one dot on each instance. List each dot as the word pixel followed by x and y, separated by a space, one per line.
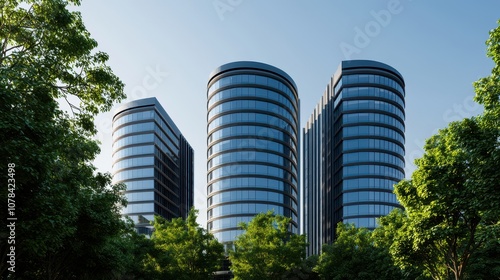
pixel 349 64
pixel 251 65
pixel 150 101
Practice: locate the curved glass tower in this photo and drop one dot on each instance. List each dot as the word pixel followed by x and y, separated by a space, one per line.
pixel 353 150
pixel 252 153
pixel 155 162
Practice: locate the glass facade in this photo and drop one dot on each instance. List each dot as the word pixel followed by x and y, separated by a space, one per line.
pixel 353 150
pixel 155 162
pixel 252 156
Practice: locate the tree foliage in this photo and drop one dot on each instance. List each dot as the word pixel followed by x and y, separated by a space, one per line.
pixel 355 254
pixel 67 214
pixel 389 232
pixel 451 200
pixel 268 250
pixel 46 50
pixel 183 250
pixel 452 220
pixel 487 89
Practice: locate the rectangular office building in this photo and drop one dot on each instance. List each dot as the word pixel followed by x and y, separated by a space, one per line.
pixel 155 162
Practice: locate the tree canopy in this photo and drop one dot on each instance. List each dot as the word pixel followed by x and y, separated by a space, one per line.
pixel 184 250
pixel 355 254
pixel 267 249
pixel 67 213
pixel 452 216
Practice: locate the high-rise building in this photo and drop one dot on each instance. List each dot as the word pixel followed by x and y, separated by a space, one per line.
pixel 253 142
pixel 155 162
pixel 353 150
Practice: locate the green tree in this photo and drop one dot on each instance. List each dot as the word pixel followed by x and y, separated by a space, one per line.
pixel 355 255
pixel 184 250
pixel 388 233
pixel 136 249
pixel 451 200
pixel 487 89
pixel 268 250
pixel 486 264
pixel 67 213
pixel 451 227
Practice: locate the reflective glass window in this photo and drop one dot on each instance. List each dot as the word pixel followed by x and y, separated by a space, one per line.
pixel 249 156
pixel 253 92
pixel 248 80
pixel 227 235
pixel 356 144
pixel 366 196
pixel 370 130
pixel 138 127
pixel 237 105
pixel 171 151
pixel 141 219
pixel 251 143
pixel 139 185
pixel 139 196
pixel 352 105
pixel 251 130
pixel 242 169
pixel 133 173
pixel 251 117
pixel 165 127
pixel 367 209
pixel 132 151
pixel 372 117
pixel 133 139
pixel 235 196
pixel 368 183
pixel 372 79
pixel 137 116
pixel 230 222
pixel 245 208
pixel 370 92
pixel 375 170
pixel 133 162
pixel 138 208
pixel 362 222
pixel 252 182
pixel 372 157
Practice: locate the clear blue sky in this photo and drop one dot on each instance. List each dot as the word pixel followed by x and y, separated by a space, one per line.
pixel 167 49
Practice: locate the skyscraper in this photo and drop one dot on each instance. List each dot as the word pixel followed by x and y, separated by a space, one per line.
pixel 154 160
pixel 253 142
pixel 353 150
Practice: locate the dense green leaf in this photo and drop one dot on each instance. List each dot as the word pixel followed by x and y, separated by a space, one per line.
pixel 267 250
pixel 451 224
pixel 183 250
pixel 68 219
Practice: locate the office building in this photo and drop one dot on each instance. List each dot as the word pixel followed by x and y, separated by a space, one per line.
pixel 252 151
pixel 353 150
pixel 155 162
